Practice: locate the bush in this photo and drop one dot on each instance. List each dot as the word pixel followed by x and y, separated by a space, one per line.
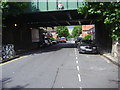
pixel 88 37
pixel 52 38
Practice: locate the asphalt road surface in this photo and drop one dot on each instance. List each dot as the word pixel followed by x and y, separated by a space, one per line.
pixel 59 66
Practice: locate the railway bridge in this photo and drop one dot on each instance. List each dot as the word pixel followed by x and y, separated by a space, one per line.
pixel 44 13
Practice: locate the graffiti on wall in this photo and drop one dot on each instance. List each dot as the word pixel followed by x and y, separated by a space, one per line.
pixel 8 51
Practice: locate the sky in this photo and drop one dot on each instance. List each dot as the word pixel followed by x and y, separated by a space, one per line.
pixel 70 28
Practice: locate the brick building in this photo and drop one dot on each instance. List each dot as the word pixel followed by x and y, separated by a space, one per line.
pixel 88 30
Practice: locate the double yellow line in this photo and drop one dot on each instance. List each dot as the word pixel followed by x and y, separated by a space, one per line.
pixel 12 60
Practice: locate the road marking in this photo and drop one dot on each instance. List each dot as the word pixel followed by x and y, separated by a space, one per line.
pixel 76 57
pixel 78 68
pixel 12 60
pixel 75 50
pixel 75 53
pixel 77 62
pixel 80 88
pixel 79 78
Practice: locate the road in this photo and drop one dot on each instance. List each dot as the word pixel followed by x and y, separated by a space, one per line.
pixel 59 66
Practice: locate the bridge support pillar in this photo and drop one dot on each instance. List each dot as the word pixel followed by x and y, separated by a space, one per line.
pixel 103 37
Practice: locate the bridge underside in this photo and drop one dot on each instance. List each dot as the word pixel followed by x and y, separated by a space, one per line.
pixel 53 18
pixel 20 36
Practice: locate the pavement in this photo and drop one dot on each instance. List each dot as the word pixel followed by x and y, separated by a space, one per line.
pixel 59 66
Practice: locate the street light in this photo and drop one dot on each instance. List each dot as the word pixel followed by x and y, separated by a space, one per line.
pixel 31 28
pixel 15 25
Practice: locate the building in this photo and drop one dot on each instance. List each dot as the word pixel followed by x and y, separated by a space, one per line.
pixel 88 30
pixel 50 32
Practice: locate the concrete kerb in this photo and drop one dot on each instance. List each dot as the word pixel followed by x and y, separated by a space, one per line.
pixel 111 59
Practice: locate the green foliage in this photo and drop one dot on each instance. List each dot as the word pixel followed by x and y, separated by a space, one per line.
pixel 77 30
pixel 3 5
pixel 62 31
pixel 109 13
pixel 70 36
pixel 13 8
pixel 52 38
pixel 88 37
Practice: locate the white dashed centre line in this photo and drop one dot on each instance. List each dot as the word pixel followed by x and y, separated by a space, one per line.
pixel 80 88
pixel 78 68
pixel 77 62
pixel 76 57
pixel 79 77
pixel 75 50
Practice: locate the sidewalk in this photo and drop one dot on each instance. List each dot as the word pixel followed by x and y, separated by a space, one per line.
pixel 112 59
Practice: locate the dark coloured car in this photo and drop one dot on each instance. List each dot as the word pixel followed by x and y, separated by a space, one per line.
pixel 54 41
pixel 57 40
pixel 77 41
pixel 47 41
pixel 87 46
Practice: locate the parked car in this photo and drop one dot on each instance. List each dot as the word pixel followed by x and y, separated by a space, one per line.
pixel 57 40
pixel 54 41
pixel 47 42
pixel 42 43
pixel 77 41
pixel 63 40
pixel 87 46
pixel 50 41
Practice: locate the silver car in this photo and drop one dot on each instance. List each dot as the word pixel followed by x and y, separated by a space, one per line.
pixel 87 46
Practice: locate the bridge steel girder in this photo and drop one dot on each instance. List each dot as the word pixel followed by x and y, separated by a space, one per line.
pixel 52 5
pixel 54 18
pixel 69 16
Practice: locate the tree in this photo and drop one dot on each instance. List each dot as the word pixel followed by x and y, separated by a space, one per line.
pixel 62 31
pixel 12 9
pixel 70 36
pixel 77 30
pixel 109 13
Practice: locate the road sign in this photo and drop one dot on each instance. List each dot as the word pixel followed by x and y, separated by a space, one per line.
pixel 60 6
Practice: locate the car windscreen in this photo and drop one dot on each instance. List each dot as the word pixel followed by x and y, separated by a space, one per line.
pixel 86 42
pixel 79 39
